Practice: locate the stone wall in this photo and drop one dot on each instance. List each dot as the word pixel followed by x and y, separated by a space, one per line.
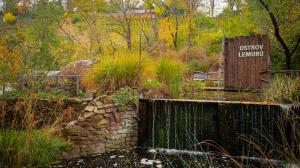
pixel 100 128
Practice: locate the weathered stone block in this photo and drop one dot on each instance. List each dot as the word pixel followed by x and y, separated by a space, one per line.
pixel 72 152
pixel 88 114
pixel 111 110
pixel 102 123
pixel 89 108
pixel 118 116
pixel 99 104
pixel 104 99
pixel 100 111
pixel 81 119
pixel 110 116
pixel 106 106
pixel 70 124
pixel 84 104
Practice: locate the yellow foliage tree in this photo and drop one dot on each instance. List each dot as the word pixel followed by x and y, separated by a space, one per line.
pixel 9 63
pixel 9 18
pixel 166 31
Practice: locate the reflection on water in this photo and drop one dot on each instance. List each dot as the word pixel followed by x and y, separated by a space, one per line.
pixel 225 96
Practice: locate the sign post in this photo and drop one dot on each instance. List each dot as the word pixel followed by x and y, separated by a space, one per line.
pixel 247 62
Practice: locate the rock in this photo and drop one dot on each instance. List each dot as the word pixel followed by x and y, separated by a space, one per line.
pixel 159 166
pixel 101 123
pixel 74 131
pixel 104 99
pixel 89 108
pixel 146 162
pixel 73 152
pixel 74 100
pixel 110 116
pixel 107 106
pixel 111 110
pixel 118 116
pixel 86 125
pixel 81 119
pixel 100 111
pixel 88 99
pixel 99 104
pixel 98 117
pixel 70 124
pixel 113 156
pixel 101 133
pixel 111 146
pixel 84 104
pixel 87 115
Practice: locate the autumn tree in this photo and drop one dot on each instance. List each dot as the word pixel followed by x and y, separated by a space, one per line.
pixel 121 13
pixel 9 63
pixel 9 6
pixel 171 10
pixel 90 13
pixel 234 4
pixel 284 22
pixel 212 5
pixel 192 7
pixel 43 35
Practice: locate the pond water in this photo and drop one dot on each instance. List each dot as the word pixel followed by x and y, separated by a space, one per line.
pixel 252 96
pixel 142 158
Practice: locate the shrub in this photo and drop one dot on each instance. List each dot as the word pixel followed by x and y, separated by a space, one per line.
pixel 194 86
pixel 284 89
pixel 9 18
pixel 37 148
pixel 76 19
pixel 125 97
pixel 112 74
pixel 197 59
pixel 12 95
pixel 170 73
pixel 151 84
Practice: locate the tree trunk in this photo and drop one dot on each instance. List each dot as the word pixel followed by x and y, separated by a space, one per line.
pixel 128 36
pixel 128 41
pixel 175 36
pixel 287 52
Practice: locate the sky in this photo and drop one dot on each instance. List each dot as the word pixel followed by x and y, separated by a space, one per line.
pixel 220 4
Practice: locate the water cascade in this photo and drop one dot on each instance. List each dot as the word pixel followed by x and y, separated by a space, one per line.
pixel 196 125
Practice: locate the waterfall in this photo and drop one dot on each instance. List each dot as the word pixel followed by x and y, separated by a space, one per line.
pixel 185 124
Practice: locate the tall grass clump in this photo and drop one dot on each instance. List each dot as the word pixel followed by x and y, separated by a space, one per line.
pixel 284 89
pixel 285 146
pixel 113 73
pixel 35 149
pixel 170 73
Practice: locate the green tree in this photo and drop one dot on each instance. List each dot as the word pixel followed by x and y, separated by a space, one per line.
pixel 43 35
pixel 284 21
pixel 9 6
pixel 121 15
pixel 9 63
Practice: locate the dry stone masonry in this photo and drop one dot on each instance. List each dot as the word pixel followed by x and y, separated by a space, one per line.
pixel 100 128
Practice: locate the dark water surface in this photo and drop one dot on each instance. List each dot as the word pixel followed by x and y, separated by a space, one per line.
pixel 171 159
pixel 250 96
